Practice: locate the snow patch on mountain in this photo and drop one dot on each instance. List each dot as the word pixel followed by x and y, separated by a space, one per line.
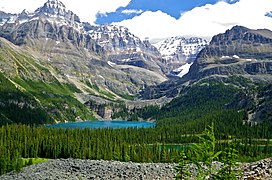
pixel 179 53
pixel 183 69
pixel 118 44
pixel 180 48
pixel 53 10
pixel 235 56
pixel 111 63
pixel 112 37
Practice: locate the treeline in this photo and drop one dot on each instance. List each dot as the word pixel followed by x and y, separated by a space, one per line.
pixel 178 123
pixel 138 145
pixel 36 102
pixel 210 102
pixel 21 141
pixel 16 105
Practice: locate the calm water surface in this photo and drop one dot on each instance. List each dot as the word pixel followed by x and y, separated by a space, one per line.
pixel 103 124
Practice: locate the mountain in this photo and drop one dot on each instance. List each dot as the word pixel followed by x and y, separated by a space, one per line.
pixel 33 92
pixel 239 51
pixel 104 64
pixel 54 10
pixel 124 48
pixel 54 63
pixel 108 56
pixel 179 51
pixel 235 66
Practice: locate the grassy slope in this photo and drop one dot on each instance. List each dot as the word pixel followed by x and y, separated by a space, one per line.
pixel 31 94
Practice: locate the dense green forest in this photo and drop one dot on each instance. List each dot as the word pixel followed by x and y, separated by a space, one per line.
pixel 178 124
pixel 37 102
pixel 159 144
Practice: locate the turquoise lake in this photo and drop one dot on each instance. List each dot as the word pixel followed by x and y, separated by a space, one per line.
pixel 104 124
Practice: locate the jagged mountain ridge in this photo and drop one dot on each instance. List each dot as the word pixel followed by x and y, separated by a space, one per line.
pixel 124 48
pixel 117 38
pixel 237 51
pixel 71 46
pixel 54 9
pixel 118 43
pixel 240 58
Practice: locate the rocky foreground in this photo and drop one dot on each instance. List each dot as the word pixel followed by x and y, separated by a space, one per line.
pixel 91 169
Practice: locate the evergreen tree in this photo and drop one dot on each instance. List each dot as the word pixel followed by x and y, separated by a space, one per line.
pixel 202 156
pixel 229 159
pixel 183 167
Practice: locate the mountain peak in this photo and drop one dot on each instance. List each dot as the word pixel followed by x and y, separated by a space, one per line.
pixel 25 12
pixel 239 28
pixel 57 9
pixel 243 35
pixel 53 7
pixel 55 3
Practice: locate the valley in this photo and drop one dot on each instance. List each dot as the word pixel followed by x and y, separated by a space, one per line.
pixel 55 69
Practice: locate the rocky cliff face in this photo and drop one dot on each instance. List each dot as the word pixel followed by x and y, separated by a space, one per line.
pixel 57 8
pixel 238 51
pixel 109 57
pixel 240 57
pixel 124 48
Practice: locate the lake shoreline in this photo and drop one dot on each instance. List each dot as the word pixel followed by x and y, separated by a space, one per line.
pixel 148 120
pixel 95 124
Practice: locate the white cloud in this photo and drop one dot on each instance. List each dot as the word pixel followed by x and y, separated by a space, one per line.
pixel 151 24
pixel 15 6
pixel 203 21
pixel 132 11
pixel 85 9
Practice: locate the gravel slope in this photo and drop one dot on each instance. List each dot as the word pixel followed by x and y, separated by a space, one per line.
pixel 91 169
pixel 74 169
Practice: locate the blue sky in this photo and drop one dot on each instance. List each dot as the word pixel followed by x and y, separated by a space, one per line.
pixel 158 19
pixel 173 8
